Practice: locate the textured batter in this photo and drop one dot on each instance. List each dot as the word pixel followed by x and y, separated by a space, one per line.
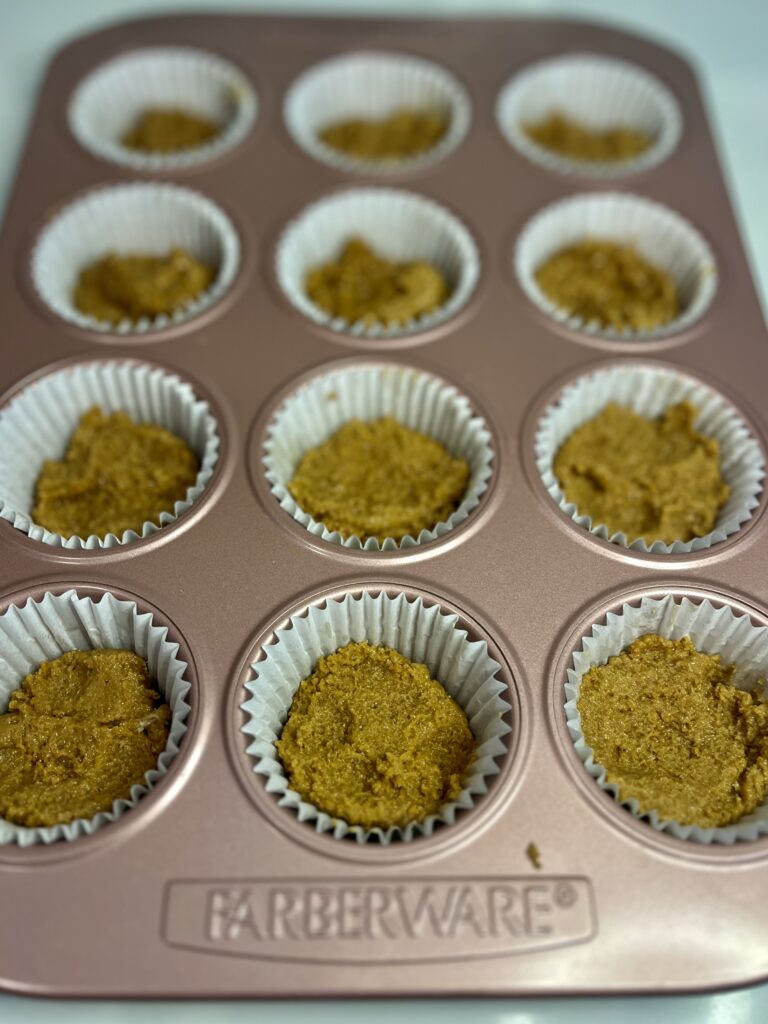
pixel 168 130
pixel 370 738
pixel 115 476
pixel 130 287
pixel 78 734
pixel 363 287
pixel 672 731
pixel 610 285
pixel 404 133
pixel 655 479
pixel 379 479
pixel 574 140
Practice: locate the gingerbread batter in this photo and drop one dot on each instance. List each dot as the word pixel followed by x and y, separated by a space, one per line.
pixel 672 731
pixel 370 738
pixel 114 476
pixel 79 734
pixel 379 479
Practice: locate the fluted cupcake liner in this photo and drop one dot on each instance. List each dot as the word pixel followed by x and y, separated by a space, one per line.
pixel 145 218
pixel 43 630
pixel 112 97
pixel 397 225
pixel 37 424
pixel 657 233
pixel 373 86
pixel 417 400
pixel 713 630
pixel 599 92
pixel 421 632
pixel 649 391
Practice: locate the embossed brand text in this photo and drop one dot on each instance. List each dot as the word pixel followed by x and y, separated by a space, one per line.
pixel 378 919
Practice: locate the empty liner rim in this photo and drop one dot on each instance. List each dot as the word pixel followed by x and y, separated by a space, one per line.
pixel 213 72
pixel 305 134
pixel 620 217
pixel 50 263
pixel 648 88
pixel 449 239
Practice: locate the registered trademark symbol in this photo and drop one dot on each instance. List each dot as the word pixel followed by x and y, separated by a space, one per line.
pixel 565 894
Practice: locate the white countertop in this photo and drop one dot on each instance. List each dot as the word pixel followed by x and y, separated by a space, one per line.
pixel 727 43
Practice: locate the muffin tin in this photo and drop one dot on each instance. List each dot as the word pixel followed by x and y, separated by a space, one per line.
pixel 210 886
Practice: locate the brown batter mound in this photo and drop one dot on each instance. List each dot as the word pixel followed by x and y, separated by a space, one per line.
pixel 610 285
pixel 655 479
pixel 115 476
pixel 361 286
pixel 370 738
pixel 572 139
pixel 78 734
pixel 673 732
pixel 117 288
pixel 379 479
pixel 403 134
pixel 161 130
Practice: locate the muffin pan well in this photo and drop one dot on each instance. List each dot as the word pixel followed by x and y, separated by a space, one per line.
pixel 539 881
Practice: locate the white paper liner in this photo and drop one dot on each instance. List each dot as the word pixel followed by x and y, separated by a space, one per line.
pixel 398 225
pixel 712 630
pixel 599 92
pixel 658 234
pixel 649 391
pixel 109 101
pixel 39 631
pixel 37 425
pixel 373 86
pixel 146 218
pixel 414 398
pixel 423 633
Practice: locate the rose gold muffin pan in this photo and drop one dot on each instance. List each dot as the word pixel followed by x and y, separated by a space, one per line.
pixel 208 887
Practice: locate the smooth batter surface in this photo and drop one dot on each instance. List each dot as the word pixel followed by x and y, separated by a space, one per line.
pixel 370 738
pixel 115 476
pixel 361 286
pixel 403 134
pixel 133 286
pixel 379 479
pixel 655 479
pixel 572 139
pixel 609 284
pixel 673 732
pixel 168 130
pixel 78 734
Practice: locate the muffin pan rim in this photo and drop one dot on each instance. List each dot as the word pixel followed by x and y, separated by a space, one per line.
pixel 361 344
pixel 601 172
pixel 551 394
pixel 212 490
pixel 502 786
pixel 259 853
pixel 221 304
pixel 630 346
pixel 165 790
pixel 173 163
pixel 405 336
pixel 341 163
pixel 259 431
pixel 680 328
pixel 601 803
